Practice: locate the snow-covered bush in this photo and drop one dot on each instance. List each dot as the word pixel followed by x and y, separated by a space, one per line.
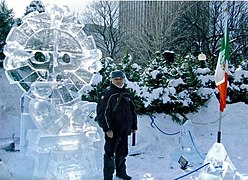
pixel 238 84
pixel 35 5
pixel 7 21
pixel 131 69
pixel 176 88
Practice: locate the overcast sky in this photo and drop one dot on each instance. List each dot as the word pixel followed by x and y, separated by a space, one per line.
pixel 19 5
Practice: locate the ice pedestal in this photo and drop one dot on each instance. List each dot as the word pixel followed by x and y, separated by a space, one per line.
pixel 73 151
pixel 25 125
pixel 75 165
pixel 220 166
pixel 70 149
pixel 65 156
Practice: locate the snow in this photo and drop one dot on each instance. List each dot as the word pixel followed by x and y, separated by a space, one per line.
pixel 155 155
pixel 239 73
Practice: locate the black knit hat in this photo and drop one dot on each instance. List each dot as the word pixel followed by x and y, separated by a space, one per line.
pixel 117 73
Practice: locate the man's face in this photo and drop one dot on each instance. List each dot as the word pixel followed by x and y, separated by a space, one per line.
pixel 118 81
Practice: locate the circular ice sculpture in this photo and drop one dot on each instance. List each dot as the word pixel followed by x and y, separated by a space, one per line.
pixel 50 57
pixel 50 46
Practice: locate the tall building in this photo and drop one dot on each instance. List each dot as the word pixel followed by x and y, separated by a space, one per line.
pixel 137 14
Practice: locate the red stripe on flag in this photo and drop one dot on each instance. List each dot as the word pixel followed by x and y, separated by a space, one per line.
pixel 223 93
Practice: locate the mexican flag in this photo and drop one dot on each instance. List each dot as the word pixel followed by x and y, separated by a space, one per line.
pixel 222 69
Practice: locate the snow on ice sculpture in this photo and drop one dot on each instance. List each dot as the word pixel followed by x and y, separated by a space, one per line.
pixel 51 59
pixel 220 165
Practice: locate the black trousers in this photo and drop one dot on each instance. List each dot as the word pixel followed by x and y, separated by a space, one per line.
pixel 116 151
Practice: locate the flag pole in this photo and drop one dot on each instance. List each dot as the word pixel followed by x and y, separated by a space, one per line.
pixel 221 73
pixel 219 131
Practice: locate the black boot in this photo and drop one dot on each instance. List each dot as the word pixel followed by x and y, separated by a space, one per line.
pixel 121 168
pixel 124 176
pixel 109 167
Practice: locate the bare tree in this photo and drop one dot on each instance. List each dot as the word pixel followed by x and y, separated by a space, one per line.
pixel 101 21
pixel 191 28
pixel 238 31
pixel 183 27
pixel 161 25
pixel 148 28
pixel 205 35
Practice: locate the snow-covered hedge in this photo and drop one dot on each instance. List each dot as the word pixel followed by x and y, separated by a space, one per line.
pixel 177 88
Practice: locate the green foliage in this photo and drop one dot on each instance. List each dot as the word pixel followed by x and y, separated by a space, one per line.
pixel 156 74
pixel 6 23
pixel 139 102
pixel 192 84
pixel 35 5
pixel 238 84
pixel 176 89
pixel 131 69
pixel 133 74
pixel 180 85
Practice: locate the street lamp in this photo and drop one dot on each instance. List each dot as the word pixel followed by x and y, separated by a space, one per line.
pixel 202 57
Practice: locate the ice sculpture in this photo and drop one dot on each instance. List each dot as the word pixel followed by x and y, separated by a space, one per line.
pixel 50 58
pixel 188 148
pixel 220 166
pixel 4 172
pixel 185 138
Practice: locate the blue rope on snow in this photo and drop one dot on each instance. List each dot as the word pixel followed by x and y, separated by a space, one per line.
pixel 192 171
pixel 195 145
pixel 196 170
pixel 154 124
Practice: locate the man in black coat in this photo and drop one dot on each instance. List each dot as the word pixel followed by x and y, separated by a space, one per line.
pixel 116 116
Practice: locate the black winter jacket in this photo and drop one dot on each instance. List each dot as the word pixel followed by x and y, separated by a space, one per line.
pixel 124 118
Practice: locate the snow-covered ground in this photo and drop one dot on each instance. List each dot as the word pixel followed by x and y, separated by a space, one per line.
pixel 155 155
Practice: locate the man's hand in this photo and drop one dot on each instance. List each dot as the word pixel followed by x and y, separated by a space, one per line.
pixel 109 133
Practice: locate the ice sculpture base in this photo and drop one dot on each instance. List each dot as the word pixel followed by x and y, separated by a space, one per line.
pixel 220 166
pixel 26 124
pixel 63 156
pixel 4 172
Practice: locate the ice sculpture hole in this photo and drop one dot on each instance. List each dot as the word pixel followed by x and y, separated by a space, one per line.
pixel 40 57
pixel 59 78
pixel 66 58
